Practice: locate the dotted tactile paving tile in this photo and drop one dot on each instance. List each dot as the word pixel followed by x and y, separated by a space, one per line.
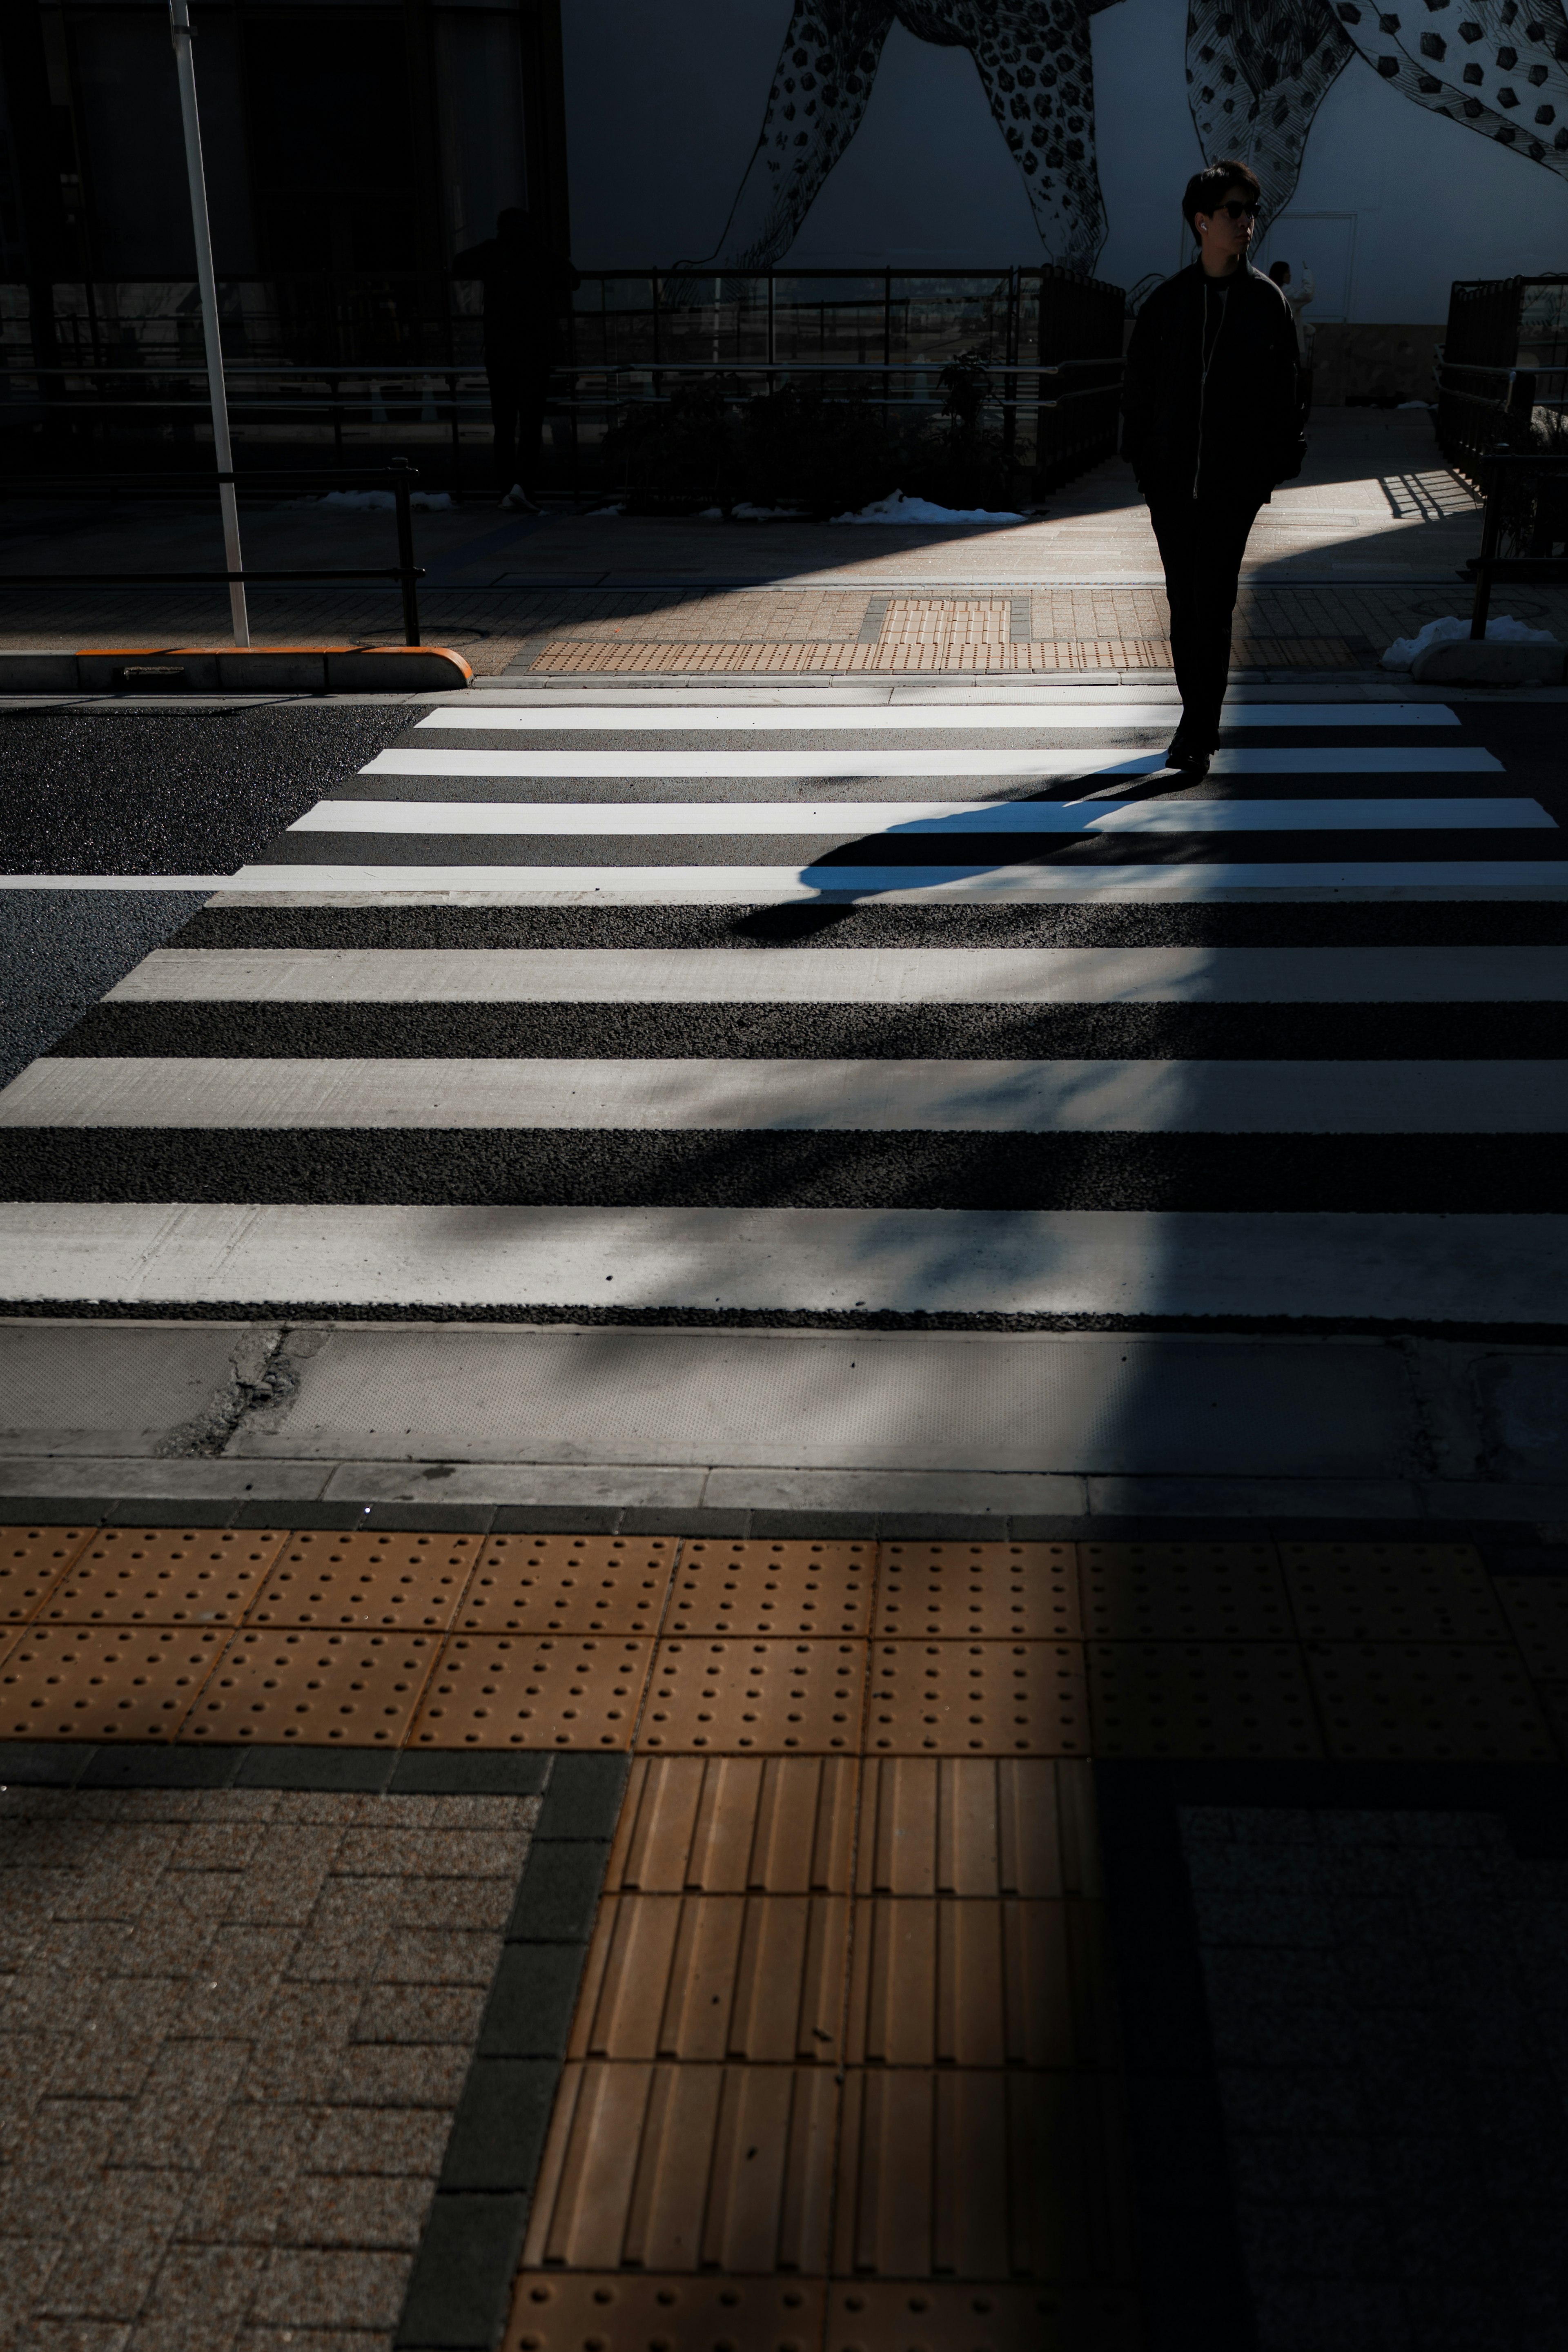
pixel 1201 1698
pixel 569 1585
pixel 952 1983
pixel 984 1698
pixel 104 1682
pixel 620 2312
pixel 518 1690
pixel 1536 1608
pixel 1427 1701
pixel 977 1826
pixel 410 1582
pixel 146 1576
pixel 941 2316
pixel 317 1687
pixel 31 1562
pixel 1391 1593
pixel 711 1977
pixel 811 1589
pixel 981 2173
pixel 986 1591
pixel 1184 1592
pixel 765 1696
pixel 652 2166
pixel 728 1824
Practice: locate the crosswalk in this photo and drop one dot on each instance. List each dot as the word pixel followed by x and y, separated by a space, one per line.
pixel 892 1015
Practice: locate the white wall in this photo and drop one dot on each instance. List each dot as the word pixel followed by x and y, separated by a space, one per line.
pixel 664 106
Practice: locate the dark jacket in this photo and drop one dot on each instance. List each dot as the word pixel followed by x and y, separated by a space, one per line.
pixel 527 288
pixel 1233 426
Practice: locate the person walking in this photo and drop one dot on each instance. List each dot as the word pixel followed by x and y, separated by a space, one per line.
pixel 1210 423
pixel 1298 297
pixel 527 288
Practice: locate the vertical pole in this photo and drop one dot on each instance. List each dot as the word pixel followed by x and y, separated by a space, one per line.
pixel 181 34
pixel 402 475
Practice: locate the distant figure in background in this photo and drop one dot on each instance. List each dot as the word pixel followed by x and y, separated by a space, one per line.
pixel 527 288
pixel 1211 422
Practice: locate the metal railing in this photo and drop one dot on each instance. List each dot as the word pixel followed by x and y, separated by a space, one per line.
pixel 1483 406
pixel 1526 519
pixel 399 474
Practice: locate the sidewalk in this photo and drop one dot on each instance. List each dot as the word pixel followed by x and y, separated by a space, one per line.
pixel 1366 547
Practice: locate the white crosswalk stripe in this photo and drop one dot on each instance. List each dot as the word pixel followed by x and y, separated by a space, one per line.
pixel 1131 1048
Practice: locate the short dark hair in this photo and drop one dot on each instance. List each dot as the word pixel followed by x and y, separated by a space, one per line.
pixel 1210 186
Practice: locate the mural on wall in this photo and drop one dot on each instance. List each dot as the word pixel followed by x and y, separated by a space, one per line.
pixel 1257 72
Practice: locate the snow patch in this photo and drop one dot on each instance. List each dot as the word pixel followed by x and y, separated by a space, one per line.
pixel 898 508
pixel 1402 653
pixel 378 501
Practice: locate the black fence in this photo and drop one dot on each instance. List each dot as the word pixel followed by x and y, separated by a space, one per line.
pixel 99 377
pixel 1524 534
pixel 1502 370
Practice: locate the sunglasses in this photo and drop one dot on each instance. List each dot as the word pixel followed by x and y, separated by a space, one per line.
pixel 1238 211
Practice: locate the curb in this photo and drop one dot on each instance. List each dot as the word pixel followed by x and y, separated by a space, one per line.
pixel 236 669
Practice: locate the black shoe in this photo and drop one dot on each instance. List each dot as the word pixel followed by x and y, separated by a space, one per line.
pixel 1189 752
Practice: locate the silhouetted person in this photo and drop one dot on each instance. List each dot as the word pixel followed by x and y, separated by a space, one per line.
pixel 527 288
pixel 1211 422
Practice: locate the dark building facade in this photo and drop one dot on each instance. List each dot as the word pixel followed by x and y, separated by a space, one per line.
pixel 342 136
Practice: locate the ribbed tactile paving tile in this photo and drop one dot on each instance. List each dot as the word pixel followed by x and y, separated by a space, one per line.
pixel 954 1982
pixel 581 2312
pixel 152 1576
pixel 731 1824
pixel 1184 1592
pixel 762 1589
pixel 314 1686
pixel 1428 1701
pixel 414 1582
pixel 710 1977
pixel 1201 1698
pixel 31 1562
pixel 983 1591
pixel 940 2316
pixel 518 1690
pixel 981 2174
pixel 986 1699
pixel 569 1585
pixel 652 2165
pixel 1537 1611
pixel 771 1697
pixel 977 1826
pixel 104 1682
pixel 1391 1593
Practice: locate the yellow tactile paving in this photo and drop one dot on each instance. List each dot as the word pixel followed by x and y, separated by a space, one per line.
pixel 761 1697
pixel 1428 1700
pixel 1391 1593
pixel 651 2166
pixel 981 2173
pixel 315 1686
pixel 552 1690
pixel 1201 1698
pixel 569 1585
pixel 152 1576
pixel 956 1982
pixel 31 1562
pixel 711 1977
pixel 104 1682
pixel 814 1590
pixel 986 1699
pixel 729 1824
pixel 988 1591
pixel 978 1826
pixel 1183 1592
pixel 410 1582
pixel 941 2316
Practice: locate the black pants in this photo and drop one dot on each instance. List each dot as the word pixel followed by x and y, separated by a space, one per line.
pixel 1202 542
pixel 517 390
